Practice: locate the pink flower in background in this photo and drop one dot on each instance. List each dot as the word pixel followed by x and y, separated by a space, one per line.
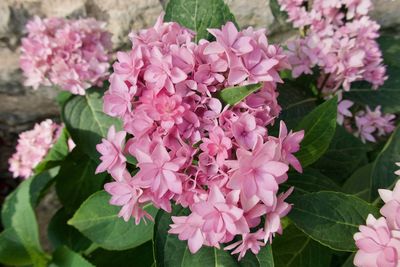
pixel 372 123
pixel 343 110
pixel 378 245
pixel 71 54
pixel 112 159
pixel 218 162
pixel 32 147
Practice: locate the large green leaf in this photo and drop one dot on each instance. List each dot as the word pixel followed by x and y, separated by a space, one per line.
pixel 77 180
pixel 99 221
pixel 199 15
pixel 64 257
pixel 37 184
pixel 383 168
pixel 171 252
pixel 19 215
pixel 309 181
pixel 330 218
pixel 141 256
pixel 86 121
pixel 319 126
pixel 296 103
pixel 61 234
pixel 12 252
pixel 295 249
pixel 359 182
pixel 344 155
pixel 234 95
pixel 56 154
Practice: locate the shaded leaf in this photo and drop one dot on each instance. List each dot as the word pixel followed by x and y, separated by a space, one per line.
pixel 99 221
pixel 319 127
pixel 344 155
pixel 383 168
pixel 135 257
pixel 295 249
pixel 61 234
pixel 309 181
pixel 64 257
pixel 12 252
pixel 359 182
pixel 77 180
pixel 331 218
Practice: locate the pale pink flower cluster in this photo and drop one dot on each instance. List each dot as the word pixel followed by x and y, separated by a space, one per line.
pixel 32 147
pixel 379 241
pixel 217 161
pixel 340 38
pixel 368 124
pixel 72 54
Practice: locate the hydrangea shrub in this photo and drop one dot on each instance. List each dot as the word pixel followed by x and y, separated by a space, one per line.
pixel 211 144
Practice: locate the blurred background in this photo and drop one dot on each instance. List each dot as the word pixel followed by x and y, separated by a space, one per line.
pixel 21 107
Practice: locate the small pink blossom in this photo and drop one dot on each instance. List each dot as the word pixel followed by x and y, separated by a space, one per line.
pixel 217 145
pixel 250 241
pixel 112 158
pixel 391 209
pixel 32 147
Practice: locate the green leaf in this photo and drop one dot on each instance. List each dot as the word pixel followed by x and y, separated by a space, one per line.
pixel 384 165
pixel 344 155
pixel 309 181
pixel 56 154
pixel 295 249
pixel 77 180
pixel 349 261
pixel 199 15
pixel 234 95
pixel 319 126
pixel 23 221
pixel 296 103
pixel 12 252
pixel 99 221
pixel 86 121
pixel 359 182
pixel 331 218
pixel 61 234
pixel 170 251
pixel 63 97
pixel 64 257
pixel 135 257
pixel 37 184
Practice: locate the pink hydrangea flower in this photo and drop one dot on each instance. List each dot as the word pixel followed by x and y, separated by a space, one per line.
pixel 72 54
pixel 112 158
pixel 218 162
pixel 372 123
pixel 378 245
pixel 32 147
pixel 391 209
pixel 250 241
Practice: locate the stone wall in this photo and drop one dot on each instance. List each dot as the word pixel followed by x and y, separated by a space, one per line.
pixel 20 107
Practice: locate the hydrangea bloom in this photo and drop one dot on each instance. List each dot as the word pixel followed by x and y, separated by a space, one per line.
pixel 32 147
pixel 72 54
pixel 379 241
pixel 339 38
pixel 190 148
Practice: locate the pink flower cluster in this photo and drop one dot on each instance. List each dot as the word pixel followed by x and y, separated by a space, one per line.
pixel 368 124
pixel 340 38
pixel 379 241
pixel 32 147
pixel 72 54
pixel 216 160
